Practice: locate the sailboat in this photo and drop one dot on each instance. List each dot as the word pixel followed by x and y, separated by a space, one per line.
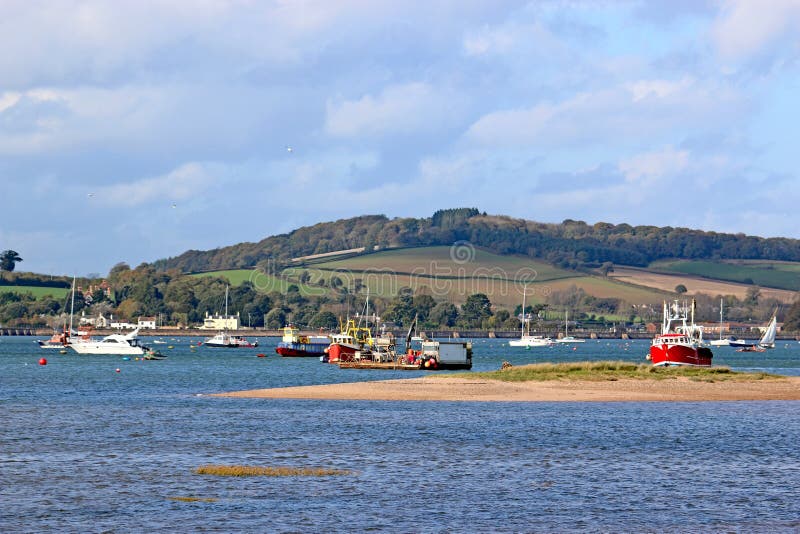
pixel 526 339
pixel 728 340
pixel 767 340
pixel 67 336
pixel 568 338
pixel 225 340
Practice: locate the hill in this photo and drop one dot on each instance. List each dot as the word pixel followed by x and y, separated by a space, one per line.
pixel 568 245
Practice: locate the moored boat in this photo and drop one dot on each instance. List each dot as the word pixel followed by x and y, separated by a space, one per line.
pixel 345 344
pixel 679 340
pixel 568 338
pixel 296 346
pixel 525 337
pixel 115 344
pixel 226 340
pixel 59 340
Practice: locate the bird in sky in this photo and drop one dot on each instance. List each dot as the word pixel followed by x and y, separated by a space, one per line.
pixel 90 195
pixel 289 149
pixel 174 205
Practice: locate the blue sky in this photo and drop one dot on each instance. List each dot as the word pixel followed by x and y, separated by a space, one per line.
pixel 132 131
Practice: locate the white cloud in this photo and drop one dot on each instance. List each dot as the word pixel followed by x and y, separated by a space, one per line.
pixel 641 110
pixel 188 180
pixel 649 167
pixel 746 27
pixel 398 109
pixel 643 89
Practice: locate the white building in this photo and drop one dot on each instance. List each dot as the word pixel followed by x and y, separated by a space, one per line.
pixel 120 325
pixel 221 322
pixel 147 323
pixel 97 322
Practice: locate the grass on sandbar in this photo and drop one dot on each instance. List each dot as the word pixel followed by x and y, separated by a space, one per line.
pixel 192 499
pixel 257 471
pixel 609 370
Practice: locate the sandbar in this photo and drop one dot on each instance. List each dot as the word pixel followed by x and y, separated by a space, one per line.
pixel 480 389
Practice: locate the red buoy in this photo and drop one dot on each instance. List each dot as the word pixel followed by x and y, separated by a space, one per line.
pixel 42 361
pixel 118 369
pixel 260 355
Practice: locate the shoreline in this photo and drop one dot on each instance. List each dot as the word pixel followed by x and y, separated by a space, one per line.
pixel 487 390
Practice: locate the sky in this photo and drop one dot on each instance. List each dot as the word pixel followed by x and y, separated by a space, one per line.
pixel 136 130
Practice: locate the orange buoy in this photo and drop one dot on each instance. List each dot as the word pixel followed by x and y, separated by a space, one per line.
pixel 42 361
pixel 260 355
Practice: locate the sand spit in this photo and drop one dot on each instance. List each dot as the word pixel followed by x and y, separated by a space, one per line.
pixel 478 389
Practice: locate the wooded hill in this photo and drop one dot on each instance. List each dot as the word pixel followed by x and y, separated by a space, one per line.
pixel 569 244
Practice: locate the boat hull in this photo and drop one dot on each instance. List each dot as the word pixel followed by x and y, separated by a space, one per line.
pixel 531 342
pixel 666 355
pixel 301 350
pixel 341 352
pixel 104 349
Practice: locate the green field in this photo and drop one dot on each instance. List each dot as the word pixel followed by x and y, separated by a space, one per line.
pixel 261 281
pixel 776 274
pixel 37 291
pixel 448 262
pixel 445 273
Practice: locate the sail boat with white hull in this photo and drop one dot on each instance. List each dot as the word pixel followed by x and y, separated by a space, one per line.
pixel 728 340
pixel 225 340
pixel 568 338
pixel 767 341
pixel 526 339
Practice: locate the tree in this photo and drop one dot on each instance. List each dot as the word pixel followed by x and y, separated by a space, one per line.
pixel 8 260
pixel 444 314
pixel 680 289
pixel 476 308
pixel 324 319
pixel 791 322
pixel 751 296
pixel 275 319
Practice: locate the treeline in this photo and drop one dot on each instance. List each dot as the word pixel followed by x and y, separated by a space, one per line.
pixel 570 244
pixel 178 299
pixel 32 279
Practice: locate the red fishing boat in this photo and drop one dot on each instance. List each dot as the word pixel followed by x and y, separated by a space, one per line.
pixel 680 339
pixel 345 344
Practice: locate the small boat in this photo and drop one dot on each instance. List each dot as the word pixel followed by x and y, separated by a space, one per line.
pixel 153 355
pixel 679 340
pixel 351 339
pixel 568 338
pixel 526 339
pixel 116 344
pixel 226 340
pixel 722 342
pixel 59 340
pixel 294 345
pixel 767 341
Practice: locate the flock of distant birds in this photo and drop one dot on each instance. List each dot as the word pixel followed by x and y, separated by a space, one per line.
pixel 289 149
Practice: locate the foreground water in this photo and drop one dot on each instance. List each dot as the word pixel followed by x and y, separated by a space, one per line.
pixel 85 448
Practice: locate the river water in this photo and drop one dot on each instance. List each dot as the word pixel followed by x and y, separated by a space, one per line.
pixel 84 448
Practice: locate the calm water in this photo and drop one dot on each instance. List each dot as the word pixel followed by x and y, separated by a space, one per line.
pixel 83 448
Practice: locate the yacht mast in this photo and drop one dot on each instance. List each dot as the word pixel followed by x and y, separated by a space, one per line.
pixel 72 306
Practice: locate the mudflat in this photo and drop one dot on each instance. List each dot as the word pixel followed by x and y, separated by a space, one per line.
pixel 431 388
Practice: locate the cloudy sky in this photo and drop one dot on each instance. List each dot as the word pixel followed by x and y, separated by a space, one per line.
pixel 136 130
